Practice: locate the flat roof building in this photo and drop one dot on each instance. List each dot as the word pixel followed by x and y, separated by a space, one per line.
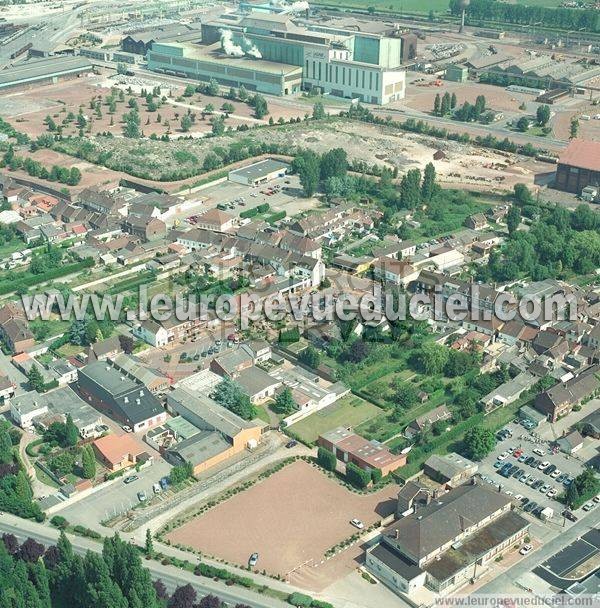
pixel 368 455
pixel 438 544
pixel 259 173
pixel 43 71
pixel 121 397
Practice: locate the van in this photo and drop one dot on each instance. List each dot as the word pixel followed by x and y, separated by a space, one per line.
pixel 584 117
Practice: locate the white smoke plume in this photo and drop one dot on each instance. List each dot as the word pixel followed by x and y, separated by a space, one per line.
pixel 299 6
pixel 250 48
pixel 229 46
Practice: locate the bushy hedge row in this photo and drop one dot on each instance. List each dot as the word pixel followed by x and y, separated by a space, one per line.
pixel 36 279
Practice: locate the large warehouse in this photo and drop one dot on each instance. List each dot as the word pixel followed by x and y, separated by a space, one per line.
pixel 43 71
pixel 578 166
pixel 269 53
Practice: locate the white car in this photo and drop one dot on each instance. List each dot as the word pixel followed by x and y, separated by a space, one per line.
pixel 127 429
pixel 539 452
pixel 357 523
pixel 589 506
pixel 518 496
pixel 525 549
pixel 552 493
pixel 503 456
pixel 543 465
pixel 156 488
pixel 556 473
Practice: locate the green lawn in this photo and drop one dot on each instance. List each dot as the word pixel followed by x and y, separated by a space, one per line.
pixel 350 411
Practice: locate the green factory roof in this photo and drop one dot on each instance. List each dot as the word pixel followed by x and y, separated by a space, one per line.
pixel 214 54
pixel 43 68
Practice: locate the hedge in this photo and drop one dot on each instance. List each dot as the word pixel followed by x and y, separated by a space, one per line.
pixel 275 217
pixel 299 599
pixel 36 279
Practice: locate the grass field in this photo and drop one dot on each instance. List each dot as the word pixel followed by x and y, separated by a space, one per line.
pixel 350 411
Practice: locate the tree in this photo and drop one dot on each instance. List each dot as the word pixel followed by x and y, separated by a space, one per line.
pixel 334 163
pixel 453 101
pixel 479 442
pixel 71 432
pixel 230 395
pixel 318 111
pixel 326 458
pixel 572 495
pixel 183 597
pixel 445 104
pixel 310 356
pixel 35 378
pixel 160 589
pixel 542 115
pixel 186 123
pixel 432 358
pixel 513 219
pixel 210 601
pixel 428 185
pixel 189 90
pixel 284 402
pixel 405 396
pixel 149 545
pixel 437 104
pixel 307 166
pixel 88 462
pixel 410 189
pixel 358 351
pixel 357 476
pixel 126 343
pixel 6 447
pixel 259 103
pixel 227 108
pixel 574 129
pixel 31 551
pixel 217 125
pixel 523 124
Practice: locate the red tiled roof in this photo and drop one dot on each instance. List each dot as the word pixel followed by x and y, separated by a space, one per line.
pixel 582 154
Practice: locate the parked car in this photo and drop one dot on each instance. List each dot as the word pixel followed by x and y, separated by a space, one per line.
pixel 569 515
pixel 525 549
pixel 556 473
pixel 529 460
pixel 568 481
pixel 127 429
pixel 522 457
pixel 130 479
pixel 141 496
pixel 503 456
pixel 561 477
pixel 164 483
pixel 544 488
pixel 357 523
pixel 553 492
pixel 588 506
pixel 550 469
pixel 497 464
pixel 530 506
pixel 291 444
pixel 539 452
pixel 156 488
pixel 543 465
pixel 253 560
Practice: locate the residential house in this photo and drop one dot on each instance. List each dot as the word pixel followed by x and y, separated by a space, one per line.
pixel 146 228
pixel 215 220
pixel 478 221
pixel 571 442
pixel 419 424
pixel 118 452
pixel 397 272
pixel 561 398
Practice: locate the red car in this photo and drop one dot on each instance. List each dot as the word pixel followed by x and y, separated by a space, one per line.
pixel 517 453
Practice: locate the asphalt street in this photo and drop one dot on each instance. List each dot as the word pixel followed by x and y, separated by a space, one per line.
pixel 172 577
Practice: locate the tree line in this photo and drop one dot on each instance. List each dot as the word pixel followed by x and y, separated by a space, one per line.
pixel 587 20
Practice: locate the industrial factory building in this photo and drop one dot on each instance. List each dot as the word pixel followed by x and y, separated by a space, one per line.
pixel 269 53
pixel 43 71
pixel 578 166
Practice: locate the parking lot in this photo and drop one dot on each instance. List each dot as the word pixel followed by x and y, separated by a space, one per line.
pixel 287 198
pixel 530 483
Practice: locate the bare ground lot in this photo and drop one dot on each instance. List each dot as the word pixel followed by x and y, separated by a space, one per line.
pixel 290 519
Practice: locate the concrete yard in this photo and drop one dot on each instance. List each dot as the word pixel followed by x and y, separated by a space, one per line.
pixel 290 519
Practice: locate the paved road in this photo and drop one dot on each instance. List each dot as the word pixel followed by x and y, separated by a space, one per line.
pixel 505 583
pixel 172 577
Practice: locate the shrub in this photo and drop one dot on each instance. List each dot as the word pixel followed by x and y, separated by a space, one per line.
pixel 356 476
pixel 58 521
pixel 300 599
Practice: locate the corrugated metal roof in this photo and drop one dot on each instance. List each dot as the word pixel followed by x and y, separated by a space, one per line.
pixel 44 68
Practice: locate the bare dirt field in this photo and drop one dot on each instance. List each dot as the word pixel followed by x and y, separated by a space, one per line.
pixel 290 519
